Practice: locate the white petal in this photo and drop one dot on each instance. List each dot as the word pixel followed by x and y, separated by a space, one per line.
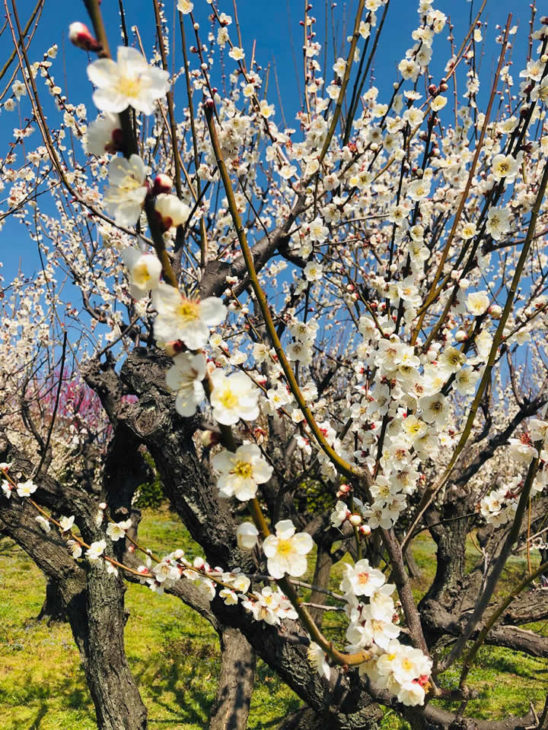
pixel 212 310
pixel 270 546
pixel 102 72
pixel 108 100
pixel 303 543
pixel 285 529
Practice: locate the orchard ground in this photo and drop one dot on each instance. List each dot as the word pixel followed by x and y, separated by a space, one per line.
pixel 174 653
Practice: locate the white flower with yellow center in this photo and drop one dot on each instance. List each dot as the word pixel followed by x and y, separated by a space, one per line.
pixel 95 550
pixel 236 53
pixel 414 428
pixel 128 81
pixel 465 381
pixel 117 530
pixel 185 6
pixel 419 189
pixel 313 271
pixel 504 166
pixel 451 360
pixel 241 471
pixel 185 378
pixel 286 551
pixel 233 397
pixel 438 103
pixel 185 319
pixel 126 192
pixel 435 409
pixel 25 489
pixel 498 223
pixel 477 303
pixel 144 271
pixel 361 579
pixel 468 230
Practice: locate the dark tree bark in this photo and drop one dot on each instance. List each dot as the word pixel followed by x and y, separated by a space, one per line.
pixel 93 601
pixel 53 608
pixel 322 572
pixel 231 706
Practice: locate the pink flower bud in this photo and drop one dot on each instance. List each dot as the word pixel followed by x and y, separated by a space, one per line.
pixel 175 347
pixel 162 184
pixel 80 36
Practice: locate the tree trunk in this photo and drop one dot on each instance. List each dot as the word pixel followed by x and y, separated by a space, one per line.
pixel 322 571
pixel 97 620
pixel 231 706
pixel 53 608
pixel 95 609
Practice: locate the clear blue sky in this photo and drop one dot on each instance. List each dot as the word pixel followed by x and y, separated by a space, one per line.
pixel 274 24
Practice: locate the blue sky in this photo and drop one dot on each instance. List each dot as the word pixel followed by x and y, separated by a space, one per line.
pixel 275 28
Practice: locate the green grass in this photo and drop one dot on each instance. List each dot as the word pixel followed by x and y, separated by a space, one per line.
pixel 172 651
pixel 173 654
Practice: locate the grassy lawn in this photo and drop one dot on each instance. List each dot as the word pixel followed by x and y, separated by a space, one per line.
pixel 173 653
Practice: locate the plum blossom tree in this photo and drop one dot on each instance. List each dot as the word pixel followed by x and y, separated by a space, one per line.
pixel 340 328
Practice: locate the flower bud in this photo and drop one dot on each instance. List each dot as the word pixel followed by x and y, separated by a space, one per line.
pixel 355 520
pixel 175 347
pixel 171 211
pixel 246 536
pixel 80 36
pixel 162 184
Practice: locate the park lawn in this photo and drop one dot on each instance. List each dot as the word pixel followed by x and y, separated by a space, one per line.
pixel 173 654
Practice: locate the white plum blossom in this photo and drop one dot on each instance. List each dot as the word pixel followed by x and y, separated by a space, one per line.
pixel 498 223
pixel 313 271
pixel 66 523
pixel 145 270
pixel 117 530
pixel 172 211
pixel 127 190
pixel 504 166
pixel 7 488
pixel 241 471
pixel 477 303
pixel 435 409
pixel 185 319
pixel 340 514
pixel 233 397
pixel 317 658
pixel 44 523
pixel 361 579
pixel 522 449
pixel 185 6
pixel 270 606
pixel 103 135
pixel 128 81
pixel 246 536
pixel 286 551
pixel 185 378
pixel 95 550
pixel 75 548
pixel 25 489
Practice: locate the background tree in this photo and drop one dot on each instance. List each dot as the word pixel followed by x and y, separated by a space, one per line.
pixel 332 335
